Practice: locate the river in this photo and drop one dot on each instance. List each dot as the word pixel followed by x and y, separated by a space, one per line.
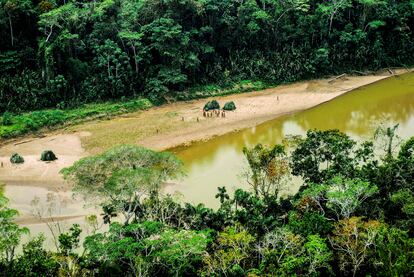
pixel 220 161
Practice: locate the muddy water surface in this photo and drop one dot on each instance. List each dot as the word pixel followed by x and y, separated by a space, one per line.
pixel 220 161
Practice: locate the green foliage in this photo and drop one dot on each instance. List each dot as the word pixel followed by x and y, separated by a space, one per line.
pixel 34 121
pixel 309 223
pixel 345 196
pixel 35 260
pixel 394 252
pixel 229 106
pixel 48 156
pixel 16 159
pixel 122 176
pixel 268 169
pixel 114 69
pixel 6 119
pixel 404 197
pixel 10 232
pixel 319 256
pixel 175 252
pixel 230 255
pixel 324 154
pixel 355 223
pixel 212 105
pixel 222 89
pixel 284 254
pixel 340 197
pixel 70 241
pixel 60 53
pixel 178 252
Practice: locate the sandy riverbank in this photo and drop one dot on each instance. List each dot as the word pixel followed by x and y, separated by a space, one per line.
pixel 166 127
pixel 163 127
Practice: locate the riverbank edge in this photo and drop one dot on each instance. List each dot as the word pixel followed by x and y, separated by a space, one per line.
pixel 56 119
pixel 249 123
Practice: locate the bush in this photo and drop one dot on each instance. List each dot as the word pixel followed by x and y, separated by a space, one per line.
pixel 48 156
pixel 229 106
pixel 35 260
pixel 16 159
pixel 7 119
pixel 212 105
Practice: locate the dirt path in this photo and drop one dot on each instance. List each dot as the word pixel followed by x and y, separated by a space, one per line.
pixel 166 127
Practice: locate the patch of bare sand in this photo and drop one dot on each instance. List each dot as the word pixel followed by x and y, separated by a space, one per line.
pixel 67 147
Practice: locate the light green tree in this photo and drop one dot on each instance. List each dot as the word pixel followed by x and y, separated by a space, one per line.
pixel 318 255
pixel 231 252
pixel 121 176
pixel 344 196
pixel 177 252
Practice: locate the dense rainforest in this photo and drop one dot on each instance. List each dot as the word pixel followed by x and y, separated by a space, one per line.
pixel 63 53
pixel 352 216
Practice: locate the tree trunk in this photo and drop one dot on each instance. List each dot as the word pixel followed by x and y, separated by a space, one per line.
pixel 135 59
pixel 330 23
pixel 11 30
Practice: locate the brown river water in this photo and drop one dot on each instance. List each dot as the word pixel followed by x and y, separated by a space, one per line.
pixel 220 161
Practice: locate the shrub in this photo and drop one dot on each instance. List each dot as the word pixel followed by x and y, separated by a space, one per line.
pixel 7 119
pixel 212 105
pixel 48 156
pixel 16 159
pixel 229 106
pixel 35 260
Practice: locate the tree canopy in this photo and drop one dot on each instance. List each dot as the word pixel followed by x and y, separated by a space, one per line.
pixel 64 53
pixel 352 216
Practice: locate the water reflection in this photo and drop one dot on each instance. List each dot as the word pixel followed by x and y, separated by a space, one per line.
pixel 220 161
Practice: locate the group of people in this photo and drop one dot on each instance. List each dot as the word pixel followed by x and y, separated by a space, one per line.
pixel 211 113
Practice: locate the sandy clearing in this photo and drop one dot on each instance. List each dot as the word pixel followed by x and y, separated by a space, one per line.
pixel 67 147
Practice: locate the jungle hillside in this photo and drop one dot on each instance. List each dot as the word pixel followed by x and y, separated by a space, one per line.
pixel 64 53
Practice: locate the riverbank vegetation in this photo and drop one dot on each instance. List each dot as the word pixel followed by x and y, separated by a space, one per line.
pixel 67 53
pixel 17 124
pixel 20 124
pixel 352 216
